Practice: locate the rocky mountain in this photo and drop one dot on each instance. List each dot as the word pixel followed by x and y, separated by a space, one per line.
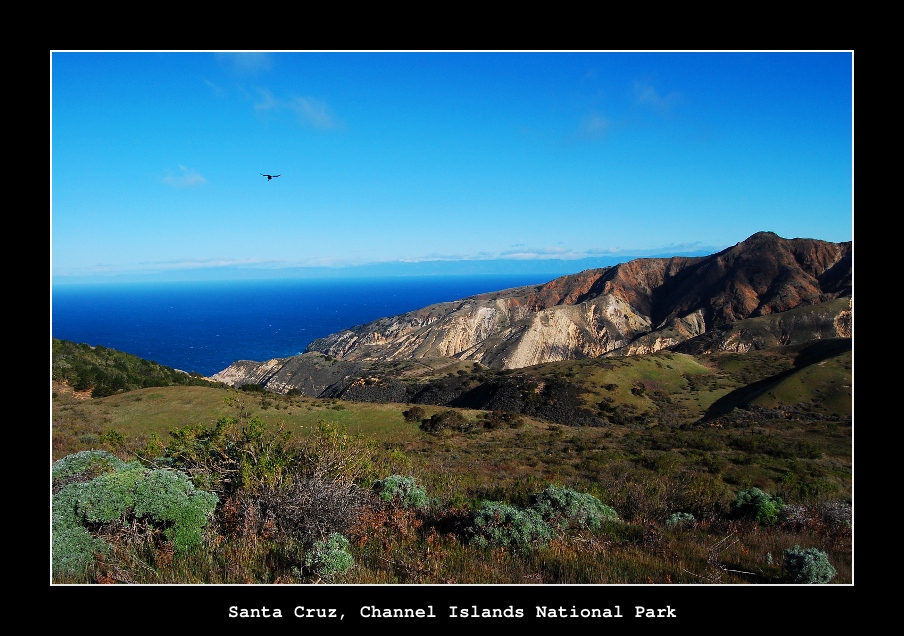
pixel 641 306
pixel 763 292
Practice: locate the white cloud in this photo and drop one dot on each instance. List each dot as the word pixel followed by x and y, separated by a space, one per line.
pixel 186 178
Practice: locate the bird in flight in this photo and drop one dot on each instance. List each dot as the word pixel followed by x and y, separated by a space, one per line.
pixel 269 176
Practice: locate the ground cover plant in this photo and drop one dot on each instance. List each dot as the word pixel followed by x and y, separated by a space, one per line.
pixel 321 490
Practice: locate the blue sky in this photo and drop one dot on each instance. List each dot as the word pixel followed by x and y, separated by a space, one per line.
pixel 157 157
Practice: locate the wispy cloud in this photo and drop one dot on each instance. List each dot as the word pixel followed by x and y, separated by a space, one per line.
pixel 648 96
pixel 310 112
pixel 593 126
pixel 185 178
pixel 247 63
pixel 314 112
pixel 216 89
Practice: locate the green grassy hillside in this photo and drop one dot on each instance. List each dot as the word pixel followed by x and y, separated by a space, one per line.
pixel 674 432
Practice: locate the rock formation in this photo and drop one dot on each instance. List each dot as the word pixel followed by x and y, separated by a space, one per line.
pixel 637 307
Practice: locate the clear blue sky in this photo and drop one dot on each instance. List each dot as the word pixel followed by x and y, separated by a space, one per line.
pixel 410 156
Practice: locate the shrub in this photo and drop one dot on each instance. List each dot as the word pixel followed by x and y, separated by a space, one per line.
pixel 679 519
pixel 331 452
pixel 168 497
pixel 807 566
pixel 124 493
pixel 72 546
pixel 501 525
pixel 414 414
pixel 755 504
pixel 502 419
pixel 330 557
pixel 83 466
pixel 565 508
pixel 403 489
pixel 304 508
pixel 836 515
pixel 446 419
pixel 229 456
pixel 109 496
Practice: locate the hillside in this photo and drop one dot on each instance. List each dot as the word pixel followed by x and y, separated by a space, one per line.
pixel 763 293
pixel 641 306
pixel 657 437
pixel 103 371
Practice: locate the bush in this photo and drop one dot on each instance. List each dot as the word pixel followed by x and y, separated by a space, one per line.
pixel 231 456
pixel 125 492
pixel 414 414
pixel 807 566
pixel 304 508
pixel 502 419
pixel 754 504
pixel 330 557
pixel 679 519
pixel 168 497
pixel 403 489
pixel 446 419
pixel 501 525
pixel 83 466
pixel 72 546
pixel 565 508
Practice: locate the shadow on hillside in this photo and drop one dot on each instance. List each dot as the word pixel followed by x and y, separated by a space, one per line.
pixel 808 355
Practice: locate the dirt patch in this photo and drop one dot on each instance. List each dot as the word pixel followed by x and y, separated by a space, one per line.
pixel 63 389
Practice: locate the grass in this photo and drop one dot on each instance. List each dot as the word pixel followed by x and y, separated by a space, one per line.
pixel 645 473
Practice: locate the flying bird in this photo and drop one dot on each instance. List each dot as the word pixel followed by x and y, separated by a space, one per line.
pixel 269 176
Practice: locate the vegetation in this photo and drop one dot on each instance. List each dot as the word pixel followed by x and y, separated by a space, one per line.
pixel 808 566
pixel 209 484
pixel 402 489
pixel 754 504
pixel 106 371
pixel 565 508
pixel 498 524
pixel 330 557
pixel 99 500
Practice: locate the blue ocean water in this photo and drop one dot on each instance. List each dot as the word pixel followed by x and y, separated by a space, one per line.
pixel 206 326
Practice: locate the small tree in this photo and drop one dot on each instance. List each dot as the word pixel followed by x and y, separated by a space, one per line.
pixel 807 566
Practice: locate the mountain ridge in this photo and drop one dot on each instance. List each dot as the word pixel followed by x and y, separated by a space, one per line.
pixel 640 306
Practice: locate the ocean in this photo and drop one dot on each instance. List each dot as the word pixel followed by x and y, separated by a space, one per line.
pixel 206 326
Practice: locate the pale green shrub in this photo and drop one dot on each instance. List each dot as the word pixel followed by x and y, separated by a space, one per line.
pixel 103 490
pixel 501 525
pixel 677 519
pixel 807 566
pixel 330 557
pixel 565 508
pixel 403 489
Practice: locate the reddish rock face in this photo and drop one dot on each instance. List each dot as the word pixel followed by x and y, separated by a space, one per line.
pixel 636 307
